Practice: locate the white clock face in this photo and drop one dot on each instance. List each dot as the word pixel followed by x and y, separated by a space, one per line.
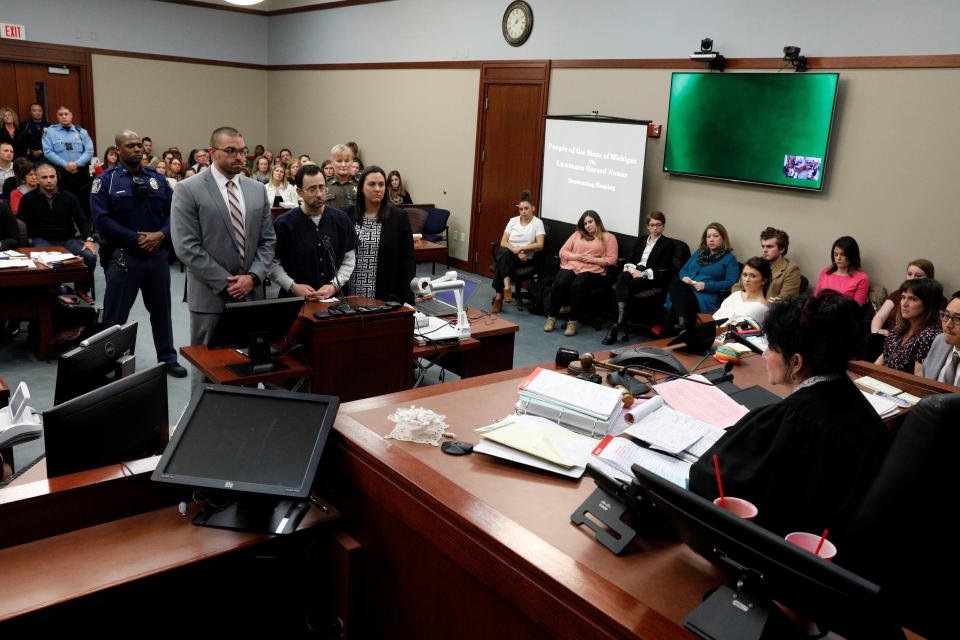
pixel 516 23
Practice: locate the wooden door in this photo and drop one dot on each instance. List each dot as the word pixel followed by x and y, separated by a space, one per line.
pixel 25 78
pixel 513 101
pixel 35 83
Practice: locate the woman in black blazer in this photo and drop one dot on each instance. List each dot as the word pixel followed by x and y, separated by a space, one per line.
pixel 385 261
pixel 655 272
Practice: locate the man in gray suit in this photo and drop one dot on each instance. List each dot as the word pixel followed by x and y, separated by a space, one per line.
pixel 222 232
pixel 943 359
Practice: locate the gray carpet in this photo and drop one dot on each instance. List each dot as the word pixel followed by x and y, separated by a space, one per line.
pixel 17 361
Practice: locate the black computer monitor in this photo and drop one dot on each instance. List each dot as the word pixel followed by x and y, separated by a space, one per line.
pixel 123 420
pixel 256 450
pixel 764 569
pixel 98 360
pixel 251 327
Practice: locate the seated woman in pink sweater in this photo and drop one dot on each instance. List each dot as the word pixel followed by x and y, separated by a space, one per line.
pixel 843 274
pixel 584 258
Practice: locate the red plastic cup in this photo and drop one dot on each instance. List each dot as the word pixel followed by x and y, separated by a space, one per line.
pixel 738 506
pixel 809 541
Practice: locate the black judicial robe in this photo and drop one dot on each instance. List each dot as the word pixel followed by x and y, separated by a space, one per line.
pixel 805 462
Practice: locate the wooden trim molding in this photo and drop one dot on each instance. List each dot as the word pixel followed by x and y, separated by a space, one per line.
pixel 273 12
pixel 839 62
pixel 70 55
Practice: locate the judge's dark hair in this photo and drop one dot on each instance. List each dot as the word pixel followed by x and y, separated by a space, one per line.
pixel 307 170
pixel 383 213
pixel 763 267
pixel 930 292
pixel 824 329
pixel 850 249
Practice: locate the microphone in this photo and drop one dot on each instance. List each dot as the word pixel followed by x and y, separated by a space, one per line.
pixel 328 245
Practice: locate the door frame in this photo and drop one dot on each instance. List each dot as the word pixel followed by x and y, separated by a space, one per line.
pixel 62 55
pixel 534 72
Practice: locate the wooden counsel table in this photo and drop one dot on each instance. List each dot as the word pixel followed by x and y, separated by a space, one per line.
pixel 492 541
pixel 489 349
pixel 25 293
pixel 101 538
pixel 431 252
pixel 213 364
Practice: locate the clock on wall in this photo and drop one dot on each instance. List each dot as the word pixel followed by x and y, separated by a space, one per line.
pixel 517 23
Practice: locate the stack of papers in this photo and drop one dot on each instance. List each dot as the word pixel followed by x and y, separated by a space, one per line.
pixel 51 257
pixel 701 401
pixel 11 259
pixel 584 406
pixel 537 442
pixel 883 406
pixel 878 385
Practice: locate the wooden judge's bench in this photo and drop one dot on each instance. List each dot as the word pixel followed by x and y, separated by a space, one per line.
pixel 428 545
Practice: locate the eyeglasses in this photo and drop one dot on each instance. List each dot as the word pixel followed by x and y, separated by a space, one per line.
pixel 947 318
pixel 230 151
pixel 654 224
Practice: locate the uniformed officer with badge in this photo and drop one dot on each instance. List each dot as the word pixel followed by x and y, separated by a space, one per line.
pixel 70 149
pixel 342 187
pixel 131 209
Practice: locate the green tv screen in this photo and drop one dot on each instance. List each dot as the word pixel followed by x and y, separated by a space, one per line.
pixel 767 128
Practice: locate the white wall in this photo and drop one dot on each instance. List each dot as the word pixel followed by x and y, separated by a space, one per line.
pixel 429 30
pixel 144 26
pixel 181 105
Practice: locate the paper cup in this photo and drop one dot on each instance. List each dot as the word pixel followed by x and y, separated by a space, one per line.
pixel 417 238
pixel 739 507
pixel 809 541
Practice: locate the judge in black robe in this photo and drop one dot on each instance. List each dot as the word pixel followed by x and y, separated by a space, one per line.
pixel 806 461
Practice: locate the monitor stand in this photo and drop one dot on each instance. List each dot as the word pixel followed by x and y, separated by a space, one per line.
pixel 261 357
pixel 728 614
pixel 256 516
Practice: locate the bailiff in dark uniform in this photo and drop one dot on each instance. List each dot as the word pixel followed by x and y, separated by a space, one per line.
pixel 130 204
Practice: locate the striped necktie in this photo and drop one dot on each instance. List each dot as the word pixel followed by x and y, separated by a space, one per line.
pixel 949 373
pixel 236 217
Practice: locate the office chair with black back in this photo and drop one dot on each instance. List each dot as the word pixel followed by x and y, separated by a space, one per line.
pixel 527 273
pixel 903 535
pixel 645 308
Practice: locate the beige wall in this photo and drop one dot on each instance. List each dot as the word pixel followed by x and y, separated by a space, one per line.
pixel 891 182
pixel 176 103
pixel 421 122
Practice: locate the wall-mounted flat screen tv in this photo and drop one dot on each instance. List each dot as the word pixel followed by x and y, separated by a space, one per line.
pixel 765 128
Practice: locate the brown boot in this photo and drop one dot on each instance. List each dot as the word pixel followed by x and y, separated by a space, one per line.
pixel 497 305
pixel 507 295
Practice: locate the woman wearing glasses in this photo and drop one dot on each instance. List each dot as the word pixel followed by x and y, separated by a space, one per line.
pixel 943 361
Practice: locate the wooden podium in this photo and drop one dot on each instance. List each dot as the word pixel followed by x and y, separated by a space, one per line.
pixel 359 356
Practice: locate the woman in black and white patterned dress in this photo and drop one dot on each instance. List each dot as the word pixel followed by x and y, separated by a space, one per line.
pixel 385 261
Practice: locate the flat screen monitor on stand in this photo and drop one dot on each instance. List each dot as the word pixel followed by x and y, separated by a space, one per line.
pixel 765 571
pixel 254 452
pixel 124 420
pixel 251 327
pixel 100 359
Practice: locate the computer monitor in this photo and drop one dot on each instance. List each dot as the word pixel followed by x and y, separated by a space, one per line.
pixel 764 570
pixel 123 420
pixel 251 327
pixel 257 450
pixel 98 360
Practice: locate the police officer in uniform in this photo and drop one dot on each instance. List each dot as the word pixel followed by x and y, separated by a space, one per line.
pixel 131 209
pixel 33 129
pixel 70 149
pixel 342 187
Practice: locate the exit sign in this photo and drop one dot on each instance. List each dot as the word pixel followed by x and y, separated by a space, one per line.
pixel 14 31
